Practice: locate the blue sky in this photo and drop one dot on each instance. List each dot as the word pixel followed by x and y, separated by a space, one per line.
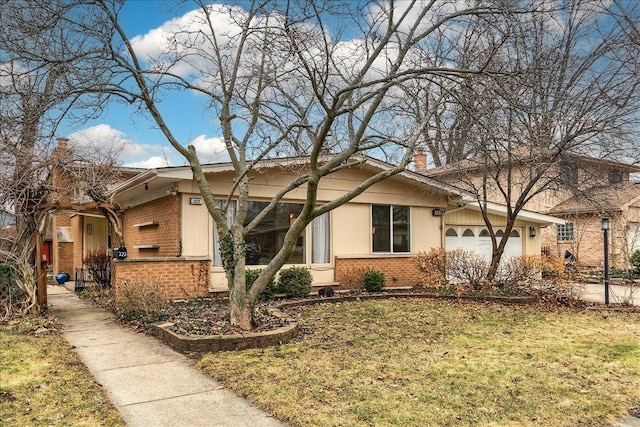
pixel 120 125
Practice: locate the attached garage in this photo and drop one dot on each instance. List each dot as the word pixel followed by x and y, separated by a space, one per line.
pixel 464 228
pixel 478 239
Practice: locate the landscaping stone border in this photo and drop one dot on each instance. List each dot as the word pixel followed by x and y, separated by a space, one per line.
pixel 284 334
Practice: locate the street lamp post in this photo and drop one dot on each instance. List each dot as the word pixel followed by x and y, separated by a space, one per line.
pixel 606 226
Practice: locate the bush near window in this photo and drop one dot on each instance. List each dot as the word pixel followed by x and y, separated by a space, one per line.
pixel 269 292
pixel 374 280
pixel 295 282
pixel 432 266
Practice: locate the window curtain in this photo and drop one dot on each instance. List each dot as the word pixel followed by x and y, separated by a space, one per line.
pixel 320 240
pixel 231 215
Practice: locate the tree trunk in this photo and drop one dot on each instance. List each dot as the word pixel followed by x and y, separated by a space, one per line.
pixel 241 306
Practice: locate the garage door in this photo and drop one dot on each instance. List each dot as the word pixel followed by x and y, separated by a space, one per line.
pixel 477 239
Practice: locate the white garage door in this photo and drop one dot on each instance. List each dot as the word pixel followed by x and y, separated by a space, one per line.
pixel 477 239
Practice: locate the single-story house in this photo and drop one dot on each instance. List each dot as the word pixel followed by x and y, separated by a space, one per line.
pixel 170 236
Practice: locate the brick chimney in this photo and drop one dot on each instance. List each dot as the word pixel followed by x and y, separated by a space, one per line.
pixel 62 157
pixel 419 160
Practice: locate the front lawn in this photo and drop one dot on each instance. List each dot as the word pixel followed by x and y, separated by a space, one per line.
pixel 44 383
pixel 434 362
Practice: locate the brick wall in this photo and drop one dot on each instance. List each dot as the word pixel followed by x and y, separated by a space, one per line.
pixel 398 270
pixel 588 243
pixel 178 278
pixel 64 256
pixel 165 234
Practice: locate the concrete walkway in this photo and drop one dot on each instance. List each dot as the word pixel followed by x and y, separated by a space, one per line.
pixel 149 383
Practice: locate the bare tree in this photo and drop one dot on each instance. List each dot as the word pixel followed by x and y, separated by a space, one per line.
pixel 564 83
pixel 44 75
pixel 319 79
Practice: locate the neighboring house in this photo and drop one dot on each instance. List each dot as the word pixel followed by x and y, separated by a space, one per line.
pixel 170 236
pixel 582 236
pixel 78 228
pixel 583 191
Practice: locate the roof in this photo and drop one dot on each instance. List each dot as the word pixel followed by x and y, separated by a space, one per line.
pixel 171 174
pixel 599 199
pixel 167 176
pixel 524 155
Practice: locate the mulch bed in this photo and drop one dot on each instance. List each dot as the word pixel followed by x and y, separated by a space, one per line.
pixel 211 317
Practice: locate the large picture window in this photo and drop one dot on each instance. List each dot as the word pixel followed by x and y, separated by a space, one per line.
pixel 267 238
pixel 390 228
pixel 264 241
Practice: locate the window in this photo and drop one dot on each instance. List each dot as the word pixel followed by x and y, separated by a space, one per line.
pixel 615 176
pixel 569 173
pixel 390 228
pixel 451 233
pixel 267 238
pixel 565 232
pixel 484 233
pixel 467 233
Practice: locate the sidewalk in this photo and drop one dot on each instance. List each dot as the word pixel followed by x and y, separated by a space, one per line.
pixel 149 383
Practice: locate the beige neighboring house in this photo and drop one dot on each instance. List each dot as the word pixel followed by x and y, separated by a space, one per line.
pixel 586 190
pixel 170 236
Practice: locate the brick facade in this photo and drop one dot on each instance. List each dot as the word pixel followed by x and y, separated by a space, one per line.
pixel 179 278
pixel 398 270
pixel 588 243
pixel 153 229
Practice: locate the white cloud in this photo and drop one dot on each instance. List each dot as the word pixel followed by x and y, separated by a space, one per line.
pixel 210 149
pixel 101 140
pixel 150 163
pixel 104 141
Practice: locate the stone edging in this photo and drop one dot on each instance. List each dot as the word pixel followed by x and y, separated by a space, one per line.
pixel 284 334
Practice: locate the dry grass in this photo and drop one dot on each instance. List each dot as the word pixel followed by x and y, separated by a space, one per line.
pixel 425 362
pixel 43 383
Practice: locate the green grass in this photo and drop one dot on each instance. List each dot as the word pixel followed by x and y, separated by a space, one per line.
pixel 429 362
pixel 43 382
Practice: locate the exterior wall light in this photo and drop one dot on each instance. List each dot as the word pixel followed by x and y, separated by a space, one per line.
pixel 532 232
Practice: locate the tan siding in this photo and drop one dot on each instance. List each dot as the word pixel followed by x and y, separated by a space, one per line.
pixel 351 229
pixel 425 230
pixel 197 228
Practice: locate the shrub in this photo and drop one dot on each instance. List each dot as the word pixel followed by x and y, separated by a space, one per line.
pixel 468 269
pixel 142 299
pixel 559 286
pixel 269 292
pixel 295 282
pixel 521 274
pixel 432 266
pixel 634 260
pixel 98 264
pixel 353 277
pixel 374 280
